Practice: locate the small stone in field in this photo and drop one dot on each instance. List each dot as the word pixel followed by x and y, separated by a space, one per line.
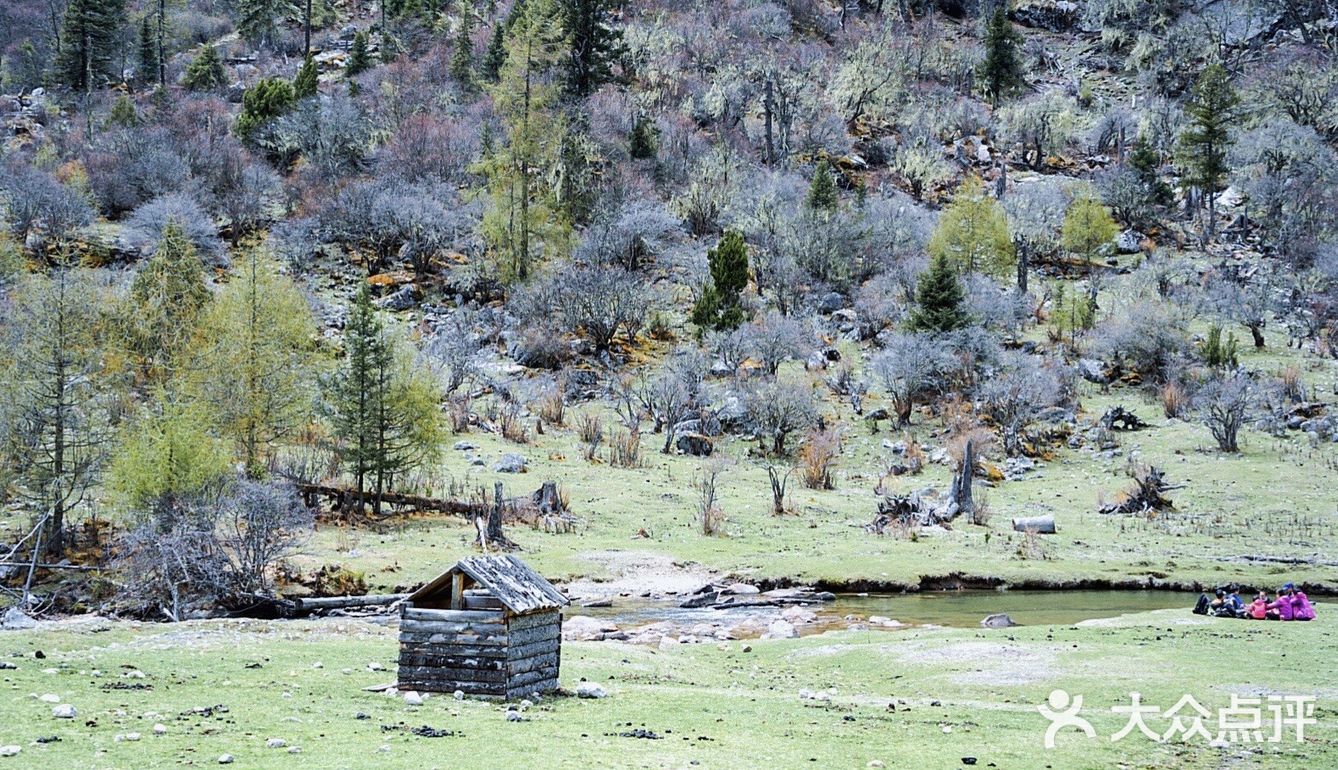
pixel 294 749
pixel 875 763
pixel 160 729
pixel 64 711
pixel 50 698
pixel 133 674
pixel 590 690
pixel 459 694
pixel 132 737
pixel 10 751
pixel 375 667
pixel 747 648
pixel 225 759
pixel 513 716
pixel 318 664
pixel 526 704
pixel 412 698
pixel 947 728
pixel 275 743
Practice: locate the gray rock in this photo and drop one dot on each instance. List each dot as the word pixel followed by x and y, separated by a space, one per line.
pixel 781 629
pixel 695 444
pixel 15 620
pixel 225 759
pixel 998 620
pixel 590 690
pixel 831 302
pixel 511 462
pixel 10 751
pixel 464 446
pixel 514 716
pixel 1052 15
pixel 401 299
pixel 64 711
pixel 1093 370
pixel 1129 242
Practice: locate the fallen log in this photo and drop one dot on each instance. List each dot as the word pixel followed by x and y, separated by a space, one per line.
pixel 1040 525
pixel 304 604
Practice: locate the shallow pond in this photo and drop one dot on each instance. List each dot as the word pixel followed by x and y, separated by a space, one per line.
pixel 945 608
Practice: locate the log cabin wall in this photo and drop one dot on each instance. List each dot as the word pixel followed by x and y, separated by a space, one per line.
pixel 485 653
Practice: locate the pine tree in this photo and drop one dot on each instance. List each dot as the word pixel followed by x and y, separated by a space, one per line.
pixel 973 232
pixel 266 100
pixel 258 20
pixel 386 412
pixel 1212 111
pixel 593 45
pixel 719 306
pixel 495 56
pixel 166 297
pixel 206 71
pixel 123 112
pixel 1002 68
pixel 359 59
pixel 306 82
pixel 641 145
pixel 462 58
pixel 822 190
pixel 252 359
pixel 938 299
pixel 90 36
pixel 148 52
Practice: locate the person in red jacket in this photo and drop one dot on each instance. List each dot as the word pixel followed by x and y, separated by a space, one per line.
pixel 1258 608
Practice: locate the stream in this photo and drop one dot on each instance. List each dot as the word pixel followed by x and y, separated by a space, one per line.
pixel 961 609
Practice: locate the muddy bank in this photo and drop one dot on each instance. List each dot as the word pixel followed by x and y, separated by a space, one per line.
pixel 957 581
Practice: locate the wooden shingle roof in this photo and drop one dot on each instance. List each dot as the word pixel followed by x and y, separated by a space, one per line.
pixel 520 589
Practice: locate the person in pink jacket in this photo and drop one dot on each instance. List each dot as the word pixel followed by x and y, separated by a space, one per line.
pixel 1282 607
pixel 1302 609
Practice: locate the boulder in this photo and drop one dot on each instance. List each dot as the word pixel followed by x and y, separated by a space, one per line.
pixel 998 620
pixel 583 628
pixel 511 462
pixel 1093 370
pixel 1052 15
pixel 10 751
pixel 401 299
pixel 831 302
pixel 694 444
pixel 15 620
pixel 781 629
pixel 1129 242
pixel 64 711
pixel 590 690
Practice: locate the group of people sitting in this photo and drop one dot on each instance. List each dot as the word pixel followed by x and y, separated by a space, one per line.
pixel 1291 604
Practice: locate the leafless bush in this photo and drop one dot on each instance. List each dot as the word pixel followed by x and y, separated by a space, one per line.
pixel 982 512
pixel 777 408
pixel 625 448
pixel 511 426
pixel 1174 402
pixel 1032 547
pixel 1223 404
pixel 460 411
pixel 709 513
pixel 779 482
pixel 816 456
pixel 552 408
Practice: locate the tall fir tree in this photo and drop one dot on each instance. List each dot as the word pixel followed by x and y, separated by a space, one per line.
pixel 90 36
pixel 822 190
pixel 359 58
pixel 1001 69
pixel 258 20
pixel 166 297
pixel 1213 110
pixel 938 299
pixel 148 52
pixel 719 307
pixel 462 58
pixel 495 56
pixel 307 81
pixel 593 45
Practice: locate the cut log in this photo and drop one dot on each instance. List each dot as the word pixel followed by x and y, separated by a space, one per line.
pixel 1040 525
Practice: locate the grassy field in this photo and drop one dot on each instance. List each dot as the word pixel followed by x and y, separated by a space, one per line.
pixel 914 697
pixel 1275 499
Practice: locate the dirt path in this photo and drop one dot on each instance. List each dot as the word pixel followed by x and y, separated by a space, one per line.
pixel 638 573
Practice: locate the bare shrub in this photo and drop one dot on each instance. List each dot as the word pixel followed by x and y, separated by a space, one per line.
pixel 982 512
pixel 552 408
pixel 816 456
pixel 1223 404
pixel 1032 547
pixel 1174 401
pixel 779 482
pixel 511 426
pixel 1291 384
pixel 709 513
pixel 460 411
pixel 625 448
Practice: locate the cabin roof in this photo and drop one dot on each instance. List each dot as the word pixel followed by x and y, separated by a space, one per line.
pixel 519 588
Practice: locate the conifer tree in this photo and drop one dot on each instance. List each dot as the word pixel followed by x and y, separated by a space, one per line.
pixel 306 82
pixel 123 112
pixel 359 59
pixel 593 45
pixel 258 20
pixel 973 232
pixel 90 35
pixel 822 190
pixel 462 58
pixel 719 306
pixel 266 100
pixel 148 52
pixel 495 56
pixel 1203 146
pixel 938 299
pixel 1002 68
pixel 641 145
pixel 166 297
pixel 205 71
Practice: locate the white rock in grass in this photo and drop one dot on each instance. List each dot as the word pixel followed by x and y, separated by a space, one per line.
pixel 64 711
pixel 412 698
pixel 294 749
pixel 875 763
pixel 10 751
pixel 459 695
pixel 513 716
pixel 225 759
pixel 50 698
pixel 590 690
pixel 160 729
pixel 275 743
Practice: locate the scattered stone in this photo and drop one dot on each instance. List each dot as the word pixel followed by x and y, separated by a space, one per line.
pixel 10 751
pixel 50 698
pixel 14 619
pixel 275 743
pixel 225 759
pixel 375 667
pixel 160 729
pixel 64 711
pixel 875 763
pixel 511 462
pixel 294 749
pixel 514 716
pixel 668 643
pixel 781 629
pixel 465 446
pixel 459 694
pixel 7 666
pixel 998 620
pixel 583 628
pixel 590 690
pixel 412 698
pixel 968 760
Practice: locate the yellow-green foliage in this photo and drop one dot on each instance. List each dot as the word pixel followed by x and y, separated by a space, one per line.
pixel 1088 226
pixel 167 452
pixel 973 232
pixel 166 297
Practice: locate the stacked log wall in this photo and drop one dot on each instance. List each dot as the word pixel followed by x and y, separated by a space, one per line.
pixel 479 652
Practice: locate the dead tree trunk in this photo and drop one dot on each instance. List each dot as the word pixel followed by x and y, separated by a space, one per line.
pixel 491 535
pixel 961 483
pixel 1041 525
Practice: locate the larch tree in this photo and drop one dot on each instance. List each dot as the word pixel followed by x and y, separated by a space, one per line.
pixel 973 232
pixel 1088 227
pixel 56 395
pixel 166 297
pixel 1212 111
pixel 253 359
pixel 523 207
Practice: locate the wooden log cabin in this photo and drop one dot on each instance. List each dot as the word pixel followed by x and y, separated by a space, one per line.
pixel 490 627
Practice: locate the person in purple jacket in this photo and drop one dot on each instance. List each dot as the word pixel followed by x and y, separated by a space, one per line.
pixel 1283 606
pixel 1302 609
